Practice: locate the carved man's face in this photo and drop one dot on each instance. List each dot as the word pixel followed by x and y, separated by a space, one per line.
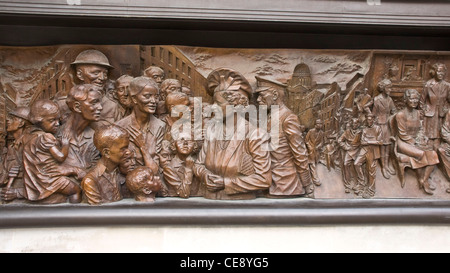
pixel 319 125
pixel 370 121
pixel 147 100
pixel 91 108
pixel 266 98
pixel 92 74
pixel 156 75
pixel 355 124
pixel 122 93
pixel 13 123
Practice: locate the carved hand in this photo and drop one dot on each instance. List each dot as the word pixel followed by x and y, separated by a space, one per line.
pixel 190 162
pixel 137 137
pixel 214 183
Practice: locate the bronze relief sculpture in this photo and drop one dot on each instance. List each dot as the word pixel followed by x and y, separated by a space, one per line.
pixel 337 124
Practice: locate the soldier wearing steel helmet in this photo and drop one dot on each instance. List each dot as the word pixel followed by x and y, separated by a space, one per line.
pixel 17 125
pixel 92 66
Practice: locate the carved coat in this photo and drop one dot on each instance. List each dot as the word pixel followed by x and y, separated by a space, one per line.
pixel 153 133
pixel 290 159
pixel 383 108
pixel 408 129
pixel 445 146
pixel 244 164
pixel 433 102
pixel 112 110
pixel 180 181
pixel 82 151
pixel 314 142
pixel 100 186
pixel 36 157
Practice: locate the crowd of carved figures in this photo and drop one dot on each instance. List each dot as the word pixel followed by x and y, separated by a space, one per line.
pixel 107 140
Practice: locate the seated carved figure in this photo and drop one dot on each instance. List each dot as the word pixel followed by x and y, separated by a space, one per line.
pixel 41 152
pixel 412 148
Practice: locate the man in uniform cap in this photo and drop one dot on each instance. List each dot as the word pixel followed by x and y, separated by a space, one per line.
pixel 17 124
pixel 289 159
pixel 232 164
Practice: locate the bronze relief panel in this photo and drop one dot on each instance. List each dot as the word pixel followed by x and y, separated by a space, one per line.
pixel 100 124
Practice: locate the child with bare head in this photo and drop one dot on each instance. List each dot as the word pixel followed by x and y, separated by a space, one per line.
pixel 43 152
pixel 101 184
pixel 143 184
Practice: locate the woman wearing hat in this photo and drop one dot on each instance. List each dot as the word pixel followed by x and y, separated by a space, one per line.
pixel 232 166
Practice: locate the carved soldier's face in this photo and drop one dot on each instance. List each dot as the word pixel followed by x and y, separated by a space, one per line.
pixel 266 98
pixel 185 146
pixel 147 100
pixel 118 150
pixel 91 108
pixel 50 122
pixel 92 74
pixel 122 93
pixel 13 123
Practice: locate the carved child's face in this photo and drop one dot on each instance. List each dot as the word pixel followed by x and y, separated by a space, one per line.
pixel 127 162
pixel 118 150
pixel 50 122
pixel 185 146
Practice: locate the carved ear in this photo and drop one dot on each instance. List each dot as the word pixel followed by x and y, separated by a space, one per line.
pixel 22 123
pixel 133 99
pixel 80 75
pixel 106 152
pixel 77 107
pixel 147 191
pixel 275 95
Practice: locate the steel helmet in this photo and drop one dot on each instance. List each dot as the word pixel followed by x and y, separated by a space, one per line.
pixel 21 112
pixel 92 56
